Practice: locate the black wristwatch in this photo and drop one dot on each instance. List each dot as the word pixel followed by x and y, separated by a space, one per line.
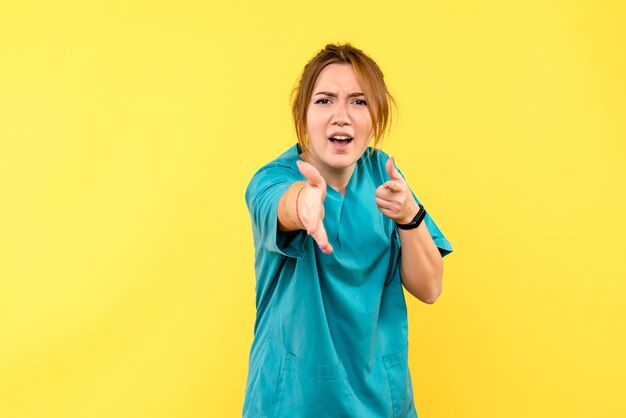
pixel 416 221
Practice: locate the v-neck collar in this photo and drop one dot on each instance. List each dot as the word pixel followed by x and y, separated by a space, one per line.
pixel 330 189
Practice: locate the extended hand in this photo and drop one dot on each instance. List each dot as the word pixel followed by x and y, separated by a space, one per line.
pixel 394 198
pixel 311 205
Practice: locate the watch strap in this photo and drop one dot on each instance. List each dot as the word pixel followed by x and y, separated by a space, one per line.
pixel 417 220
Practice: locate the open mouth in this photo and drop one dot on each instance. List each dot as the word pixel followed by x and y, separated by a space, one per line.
pixel 340 139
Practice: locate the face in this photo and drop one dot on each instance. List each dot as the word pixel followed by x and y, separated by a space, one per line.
pixel 339 126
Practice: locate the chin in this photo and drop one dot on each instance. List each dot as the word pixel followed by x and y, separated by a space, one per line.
pixel 343 162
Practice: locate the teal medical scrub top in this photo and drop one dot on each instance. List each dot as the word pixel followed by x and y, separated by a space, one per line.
pixel 330 337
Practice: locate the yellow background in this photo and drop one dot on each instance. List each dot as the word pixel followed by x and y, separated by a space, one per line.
pixel 129 131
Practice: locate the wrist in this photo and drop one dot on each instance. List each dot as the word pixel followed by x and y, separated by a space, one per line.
pixel 292 204
pixel 415 221
pixel 410 214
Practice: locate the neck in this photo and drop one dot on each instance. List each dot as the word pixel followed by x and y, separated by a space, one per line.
pixel 338 181
pixel 337 178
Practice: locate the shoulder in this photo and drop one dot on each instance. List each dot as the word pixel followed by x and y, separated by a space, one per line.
pixel 284 164
pixel 373 161
pixel 283 169
pixel 377 155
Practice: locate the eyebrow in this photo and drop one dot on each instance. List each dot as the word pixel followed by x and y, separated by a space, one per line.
pixel 327 93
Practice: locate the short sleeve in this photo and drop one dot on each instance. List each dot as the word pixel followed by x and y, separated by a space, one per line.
pixel 262 196
pixel 440 240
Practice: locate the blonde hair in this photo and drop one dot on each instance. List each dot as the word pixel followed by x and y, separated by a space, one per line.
pixel 368 74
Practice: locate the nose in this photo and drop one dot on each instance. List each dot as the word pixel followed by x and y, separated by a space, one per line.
pixel 340 115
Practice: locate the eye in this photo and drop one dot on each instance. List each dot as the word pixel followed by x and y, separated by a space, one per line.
pixel 322 101
pixel 360 102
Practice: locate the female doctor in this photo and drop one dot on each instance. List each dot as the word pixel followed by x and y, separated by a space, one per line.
pixel 337 234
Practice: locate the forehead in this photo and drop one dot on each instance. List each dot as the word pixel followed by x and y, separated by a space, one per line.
pixel 337 77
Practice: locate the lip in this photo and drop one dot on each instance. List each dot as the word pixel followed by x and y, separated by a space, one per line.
pixel 340 147
pixel 340 133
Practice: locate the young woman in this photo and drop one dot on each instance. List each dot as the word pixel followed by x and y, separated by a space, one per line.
pixel 337 232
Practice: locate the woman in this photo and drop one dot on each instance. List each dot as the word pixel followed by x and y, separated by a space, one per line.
pixel 330 217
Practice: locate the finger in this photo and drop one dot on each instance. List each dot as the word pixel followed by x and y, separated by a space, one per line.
pixel 388 189
pixel 391 205
pixel 392 171
pixel 393 186
pixel 385 204
pixel 315 228
pixel 317 231
pixel 312 175
pixel 388 213
pixel 313 217
pixel 321 238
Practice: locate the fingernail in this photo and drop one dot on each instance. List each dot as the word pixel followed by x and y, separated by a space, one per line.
pixel 386 186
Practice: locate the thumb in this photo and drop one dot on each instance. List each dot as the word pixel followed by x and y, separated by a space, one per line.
pixel 394 174
pixel 312 175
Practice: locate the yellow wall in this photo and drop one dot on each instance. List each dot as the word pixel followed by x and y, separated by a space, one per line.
pixel 128 132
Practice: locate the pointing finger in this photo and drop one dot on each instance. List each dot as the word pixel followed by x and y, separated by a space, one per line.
pixel 321 239
pixel 318 233
pixel 393 186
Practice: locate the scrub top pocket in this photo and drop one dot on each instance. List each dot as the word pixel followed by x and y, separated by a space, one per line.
pixel 313 390
pixel 400 387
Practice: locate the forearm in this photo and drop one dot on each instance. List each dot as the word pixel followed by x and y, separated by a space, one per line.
pixel 288 217
pixel 422 266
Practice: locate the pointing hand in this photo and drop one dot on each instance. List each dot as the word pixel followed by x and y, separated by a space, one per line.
pixel 394 198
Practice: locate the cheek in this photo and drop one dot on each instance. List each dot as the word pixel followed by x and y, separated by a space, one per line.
pixel 365 123
pixel 314 121
pixel 315 132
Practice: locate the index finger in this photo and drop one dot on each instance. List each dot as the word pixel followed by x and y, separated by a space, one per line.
pixel 393 186
pixel 321 238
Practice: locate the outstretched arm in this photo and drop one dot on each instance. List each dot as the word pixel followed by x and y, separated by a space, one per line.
pixel 422 266
pixel 302 206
